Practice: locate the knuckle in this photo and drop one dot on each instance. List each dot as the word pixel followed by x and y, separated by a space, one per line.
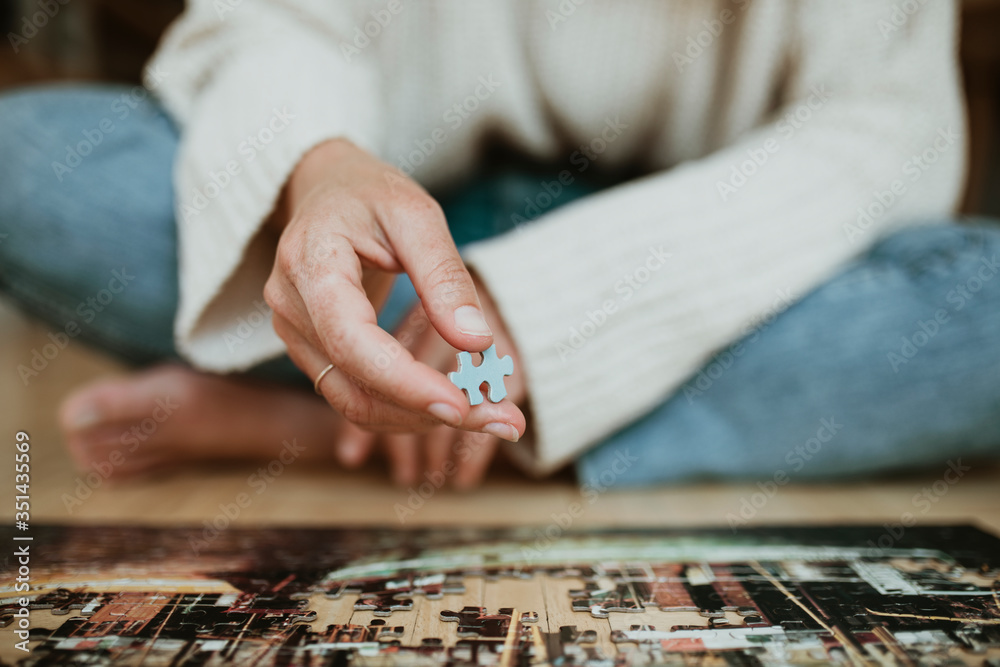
pixel 318 245
pixel 288 260
pixel 328 260
pixel 448 280
pixel 428 210
pixel 418 207
pixel 448 272
pixel 366 386
pixel 273 295
pixel 357 409
pixel 335 342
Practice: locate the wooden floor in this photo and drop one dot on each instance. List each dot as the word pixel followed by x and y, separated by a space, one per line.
pixel 311 495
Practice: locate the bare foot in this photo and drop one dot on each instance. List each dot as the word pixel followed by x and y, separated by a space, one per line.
pixel 171 414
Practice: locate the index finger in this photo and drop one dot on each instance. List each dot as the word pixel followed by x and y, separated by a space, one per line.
pixel 346 325
pixel 424 247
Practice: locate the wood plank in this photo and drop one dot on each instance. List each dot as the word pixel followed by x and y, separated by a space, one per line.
pixel 331 611
pixel 559 612
pixel 425 621
pixel 525 594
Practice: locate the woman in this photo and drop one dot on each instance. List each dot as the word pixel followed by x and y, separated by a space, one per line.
pixel 797 164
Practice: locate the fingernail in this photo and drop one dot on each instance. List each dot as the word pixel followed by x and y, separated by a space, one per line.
pixel 470 320
pixel 446 413
pixel 502 431
pixel 84 418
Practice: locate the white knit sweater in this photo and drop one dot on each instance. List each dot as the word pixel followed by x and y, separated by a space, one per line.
pixel 769 128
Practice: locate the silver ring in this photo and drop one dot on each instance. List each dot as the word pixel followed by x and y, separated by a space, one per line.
pixel 319 378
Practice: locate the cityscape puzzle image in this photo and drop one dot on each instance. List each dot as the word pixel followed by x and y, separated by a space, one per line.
pixel 103 595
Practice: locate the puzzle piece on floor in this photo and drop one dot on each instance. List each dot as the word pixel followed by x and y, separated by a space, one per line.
pixel 383 604
pixel 638 634
pixel 432 586
pixel 475 622
pixel 376 631
pixel 600 601
pixel 568 634
pixel 492 371
pixel 62 601
pixel 384 595
pixel 571 646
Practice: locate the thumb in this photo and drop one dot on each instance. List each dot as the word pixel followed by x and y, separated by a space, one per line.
pixel 447 293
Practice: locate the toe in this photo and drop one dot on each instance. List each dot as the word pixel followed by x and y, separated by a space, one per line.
pixel 80 411
pixel 123 400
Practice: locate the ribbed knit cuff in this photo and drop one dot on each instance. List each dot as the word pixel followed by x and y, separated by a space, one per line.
pixel 245 133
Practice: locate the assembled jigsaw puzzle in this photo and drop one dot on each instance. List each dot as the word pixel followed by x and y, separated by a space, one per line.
pixel 923 595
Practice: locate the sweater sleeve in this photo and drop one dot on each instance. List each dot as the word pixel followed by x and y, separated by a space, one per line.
pixel 615 300
pixel 253 87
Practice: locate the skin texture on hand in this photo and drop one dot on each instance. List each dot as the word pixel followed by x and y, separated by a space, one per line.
pixel 461 457
pixel 347 224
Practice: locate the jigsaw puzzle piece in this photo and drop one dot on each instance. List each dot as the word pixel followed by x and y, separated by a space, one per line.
pixel 383 604
pixel 570 647
pixel 492 371
pixel 601 601
pixel 475 622
pixel 62 601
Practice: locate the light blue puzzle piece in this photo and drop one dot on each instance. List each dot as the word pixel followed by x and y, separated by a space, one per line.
pixel 492 371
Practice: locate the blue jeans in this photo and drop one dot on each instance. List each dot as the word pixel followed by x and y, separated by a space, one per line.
pixel 892 364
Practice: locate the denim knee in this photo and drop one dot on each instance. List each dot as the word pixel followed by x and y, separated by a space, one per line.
pixel 938 251
pixel 21 163
pixel 86 207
